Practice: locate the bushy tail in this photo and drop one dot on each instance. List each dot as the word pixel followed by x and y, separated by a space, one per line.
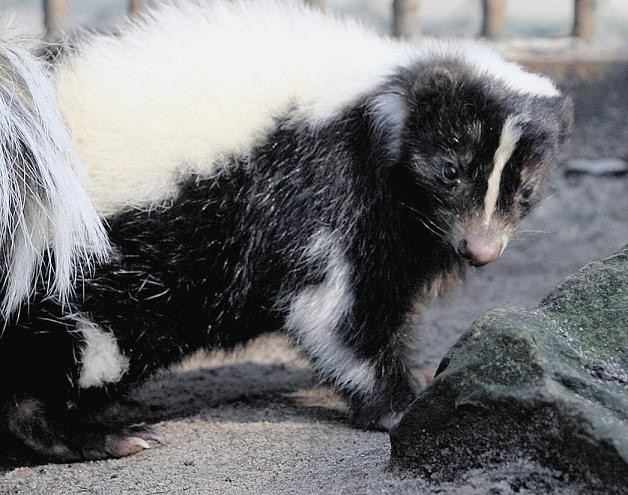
pixel 43 207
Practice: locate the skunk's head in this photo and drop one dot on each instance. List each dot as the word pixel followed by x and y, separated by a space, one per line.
pixel 474 154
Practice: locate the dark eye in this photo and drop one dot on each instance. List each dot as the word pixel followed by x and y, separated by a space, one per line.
pixel 451 172
pixel 525 195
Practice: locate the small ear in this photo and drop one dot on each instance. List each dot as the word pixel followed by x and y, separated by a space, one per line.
pixel 442 74
pixel 566 118
pixel 434 78
pixel 441 77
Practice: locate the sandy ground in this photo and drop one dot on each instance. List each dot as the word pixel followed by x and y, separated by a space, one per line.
pixel 257 422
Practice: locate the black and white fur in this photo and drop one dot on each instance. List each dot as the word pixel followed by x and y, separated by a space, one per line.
pixel 262 167
pixel 43 208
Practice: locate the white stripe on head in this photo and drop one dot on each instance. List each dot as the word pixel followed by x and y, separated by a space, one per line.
pixel 507 142
pixel 315 314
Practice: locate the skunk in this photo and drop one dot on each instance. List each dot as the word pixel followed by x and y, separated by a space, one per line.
pixel 259 166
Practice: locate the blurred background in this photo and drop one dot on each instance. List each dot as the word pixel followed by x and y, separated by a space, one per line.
pixel 523 18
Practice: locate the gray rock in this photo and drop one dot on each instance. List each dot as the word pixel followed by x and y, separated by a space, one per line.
pixel 549 384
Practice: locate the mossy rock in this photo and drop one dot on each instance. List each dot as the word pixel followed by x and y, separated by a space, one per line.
pixel 549 384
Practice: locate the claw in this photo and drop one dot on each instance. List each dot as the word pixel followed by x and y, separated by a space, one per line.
pixel 122 446
pixel 130 441
pixel 145 433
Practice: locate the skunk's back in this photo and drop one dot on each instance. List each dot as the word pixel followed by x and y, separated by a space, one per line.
pixel 190 84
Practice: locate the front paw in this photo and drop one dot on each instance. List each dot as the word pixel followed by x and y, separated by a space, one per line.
pixel 383 409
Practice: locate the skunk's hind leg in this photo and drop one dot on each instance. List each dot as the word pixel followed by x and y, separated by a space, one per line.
pixel 63 368
pixel 61 436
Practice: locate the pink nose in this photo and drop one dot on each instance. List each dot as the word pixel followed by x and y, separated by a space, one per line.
pixel 482 250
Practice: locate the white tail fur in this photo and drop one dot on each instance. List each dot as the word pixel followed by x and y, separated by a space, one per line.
pixel 43 207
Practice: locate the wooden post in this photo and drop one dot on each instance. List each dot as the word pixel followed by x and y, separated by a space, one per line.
pixel 135 6
pixel 584 25
pixel 55 14
pixel 317 3
pixel 406 18
pixel 494 18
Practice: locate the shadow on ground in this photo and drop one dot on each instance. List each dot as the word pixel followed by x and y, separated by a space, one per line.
pixel 270 392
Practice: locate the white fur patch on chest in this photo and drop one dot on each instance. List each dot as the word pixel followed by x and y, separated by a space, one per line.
pixel 315 314
pixel 101 359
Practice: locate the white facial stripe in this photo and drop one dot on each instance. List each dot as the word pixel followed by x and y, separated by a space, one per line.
pixel 315 314
pixel 101 360
pixel 507 143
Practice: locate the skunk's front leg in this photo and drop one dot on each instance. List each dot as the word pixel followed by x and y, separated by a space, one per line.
pixel 395 386
pixel 350 347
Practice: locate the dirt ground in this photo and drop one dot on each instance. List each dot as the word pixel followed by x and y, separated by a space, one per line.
pixel 257 422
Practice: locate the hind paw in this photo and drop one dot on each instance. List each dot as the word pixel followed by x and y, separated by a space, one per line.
pixel 70 441
pixel 120 443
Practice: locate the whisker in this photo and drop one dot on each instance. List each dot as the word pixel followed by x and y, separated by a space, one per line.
pixel 429 228
pixel 534 232
pixel 425 221
pixel 547 198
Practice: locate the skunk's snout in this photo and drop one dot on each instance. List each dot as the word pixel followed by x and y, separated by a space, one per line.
pixel 479 250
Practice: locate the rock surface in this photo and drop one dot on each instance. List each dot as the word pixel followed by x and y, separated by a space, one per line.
pixel 549 384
